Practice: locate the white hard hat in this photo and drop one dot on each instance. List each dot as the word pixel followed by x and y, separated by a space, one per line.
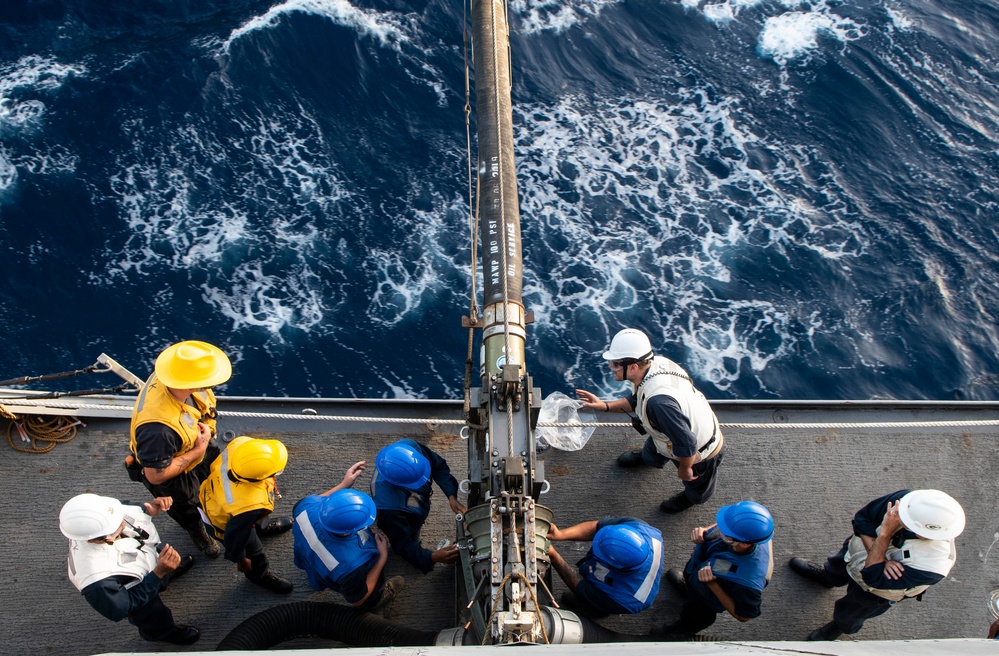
pixel 629 344
pixel 931 514
pixel 89 516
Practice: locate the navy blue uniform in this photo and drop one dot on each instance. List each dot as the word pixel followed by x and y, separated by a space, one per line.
pixel 141 604
pixel 701 606
pixel 850 612
pixel 402 512
pixel 156 444
pixel 605 591
pixel 664 413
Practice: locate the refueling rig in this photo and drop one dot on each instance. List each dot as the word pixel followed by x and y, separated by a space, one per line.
pixel 503 537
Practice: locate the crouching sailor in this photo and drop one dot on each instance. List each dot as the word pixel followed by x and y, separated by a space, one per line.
pixel 113 561
pixel 902 544
pixel 237 497
pixel 619 574
pixel 337 549
pixel 401 490
pixel 731 564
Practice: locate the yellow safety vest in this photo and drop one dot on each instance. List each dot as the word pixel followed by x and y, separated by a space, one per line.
pixel 223 498
pixel 157 405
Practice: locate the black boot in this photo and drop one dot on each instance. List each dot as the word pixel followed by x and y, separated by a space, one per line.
pixel 827 632
pixel 186 563
pixel 811 570
pixel 274 583
pixel 630 459
pixel 676 503
pixel 183 635
pixel 204 542
pixel 675 579
pixel 274 526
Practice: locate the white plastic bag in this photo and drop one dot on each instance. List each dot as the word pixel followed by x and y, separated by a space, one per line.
pixel 559 408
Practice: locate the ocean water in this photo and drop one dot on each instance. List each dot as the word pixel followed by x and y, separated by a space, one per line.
pixel 794 199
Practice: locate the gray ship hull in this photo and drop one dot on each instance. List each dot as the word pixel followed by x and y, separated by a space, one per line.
pixel 812 480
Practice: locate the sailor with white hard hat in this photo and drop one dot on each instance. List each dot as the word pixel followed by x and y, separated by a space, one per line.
pixel 116 562
pixel 903 543
pixel 681 425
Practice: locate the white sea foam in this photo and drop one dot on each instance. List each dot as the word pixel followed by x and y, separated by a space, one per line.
pixel 24 87
pixel 551 15
pixel 795 34
pixel 8 172
pixel 645 203
pixel 790 29
pixel 39 75
pixel 899 20
pixel 387 28
pixel 247 235
pixel 398 32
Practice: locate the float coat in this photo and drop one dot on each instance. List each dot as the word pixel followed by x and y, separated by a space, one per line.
pixel 752 570
pixel 669 378
pixel 634 589
pixel 325 557
pixel 90 562
pixel 157 404
pixel 223 498
pixel 937 556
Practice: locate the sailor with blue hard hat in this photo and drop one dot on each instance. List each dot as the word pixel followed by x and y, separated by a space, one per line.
pixel 336 547
pixel 731 564
pixel 619 574
pixel 401 488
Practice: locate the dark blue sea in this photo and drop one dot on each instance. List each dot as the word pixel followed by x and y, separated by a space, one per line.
pixel 795 199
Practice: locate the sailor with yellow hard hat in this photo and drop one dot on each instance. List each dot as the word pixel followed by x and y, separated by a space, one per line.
pixel 237 496
pixel 173 424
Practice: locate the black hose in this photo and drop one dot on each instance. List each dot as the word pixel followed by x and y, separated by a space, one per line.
pixel 593 632
pixel 358 628
pixel 350 626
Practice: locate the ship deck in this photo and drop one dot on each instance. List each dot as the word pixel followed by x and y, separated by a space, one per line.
pixel 811 478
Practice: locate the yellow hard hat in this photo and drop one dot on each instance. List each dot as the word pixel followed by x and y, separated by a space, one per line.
pixel 255 460
pixel 192 364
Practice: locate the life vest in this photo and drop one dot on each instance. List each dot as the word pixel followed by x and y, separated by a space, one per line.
pixel 667 377
pixel 634 589
pixel 157 404
pixel 129 555
pixel 393 497
pixel 328 558
pixel 222 498
pixel 937 556
pixel 752 569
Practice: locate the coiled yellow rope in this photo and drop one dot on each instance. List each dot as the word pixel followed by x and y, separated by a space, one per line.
pixel 42 433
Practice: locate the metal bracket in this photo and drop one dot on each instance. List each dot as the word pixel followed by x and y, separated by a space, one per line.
pixel 122 372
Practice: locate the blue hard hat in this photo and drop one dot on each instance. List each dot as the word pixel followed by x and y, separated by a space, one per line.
pixel 402 465
pixel 746 521
pixel 347 511
pixel 621 546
